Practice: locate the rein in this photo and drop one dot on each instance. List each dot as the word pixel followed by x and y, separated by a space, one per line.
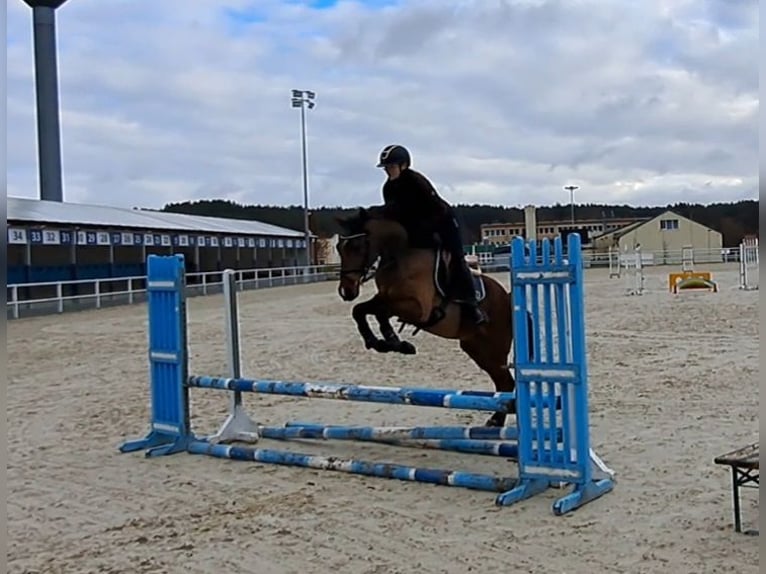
pixel 369 269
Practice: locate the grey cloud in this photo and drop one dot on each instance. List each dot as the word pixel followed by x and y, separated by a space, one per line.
pixel 500 102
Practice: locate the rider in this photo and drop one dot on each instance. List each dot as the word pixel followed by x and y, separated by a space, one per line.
pixel 411 200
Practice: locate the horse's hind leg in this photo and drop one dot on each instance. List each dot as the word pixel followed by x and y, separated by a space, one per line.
pixel 504 382
pixel 489 357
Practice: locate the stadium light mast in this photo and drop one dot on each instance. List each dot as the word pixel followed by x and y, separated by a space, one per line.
pixel 46 87
pixel 301 99
pixel 571 189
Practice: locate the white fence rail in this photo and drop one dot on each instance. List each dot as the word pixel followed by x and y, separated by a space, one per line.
pixel 649 258
pixel 27 299
pixel 671 257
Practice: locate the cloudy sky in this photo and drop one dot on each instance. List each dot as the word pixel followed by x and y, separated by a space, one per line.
pixel 645 102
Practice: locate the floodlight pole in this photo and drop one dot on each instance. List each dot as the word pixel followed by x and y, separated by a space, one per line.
pixel 46 87
pixel 306 230
pixel 571 189
pixel 300 99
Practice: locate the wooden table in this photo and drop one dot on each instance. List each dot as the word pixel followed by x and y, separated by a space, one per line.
pixel 744 472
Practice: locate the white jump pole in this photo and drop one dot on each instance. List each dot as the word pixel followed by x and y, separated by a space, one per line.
pixel 687 259
pixel 614 263
pixel 748 264
pixel 634 272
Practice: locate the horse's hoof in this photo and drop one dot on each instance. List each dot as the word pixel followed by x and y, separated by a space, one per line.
pixel 379 345
pixel 383 347
pixel 495 421
pixel 372 344
pixel 405 348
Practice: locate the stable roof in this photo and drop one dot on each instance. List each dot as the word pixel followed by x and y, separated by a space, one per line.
pixel 620 231
pixel 40 211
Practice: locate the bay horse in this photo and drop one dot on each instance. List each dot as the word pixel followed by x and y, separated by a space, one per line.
pixel 413 285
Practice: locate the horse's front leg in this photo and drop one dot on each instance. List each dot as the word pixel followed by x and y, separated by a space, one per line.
pixel 360 313
pixel 390 336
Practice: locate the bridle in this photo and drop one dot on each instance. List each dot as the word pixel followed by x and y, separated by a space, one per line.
pixel 368 269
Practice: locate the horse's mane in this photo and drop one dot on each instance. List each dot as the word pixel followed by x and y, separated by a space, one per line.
pixel 391 237
pixel 357 223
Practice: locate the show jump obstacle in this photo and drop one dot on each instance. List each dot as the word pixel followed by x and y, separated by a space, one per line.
pixel 689 279
pixel 748 264
pixel 550 440
pixel 633 264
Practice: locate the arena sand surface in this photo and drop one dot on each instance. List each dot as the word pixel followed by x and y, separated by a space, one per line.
pixel 673 384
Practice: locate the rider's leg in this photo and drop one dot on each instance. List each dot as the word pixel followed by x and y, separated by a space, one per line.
pixel 460 272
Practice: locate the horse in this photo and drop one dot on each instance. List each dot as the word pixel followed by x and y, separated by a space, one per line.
pixel 413 285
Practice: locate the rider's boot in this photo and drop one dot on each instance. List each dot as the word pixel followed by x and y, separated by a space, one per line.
pixel 475 313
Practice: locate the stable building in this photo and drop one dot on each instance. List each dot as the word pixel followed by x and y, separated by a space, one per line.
pixel 60 241
pixel 666 235
pixel 503 233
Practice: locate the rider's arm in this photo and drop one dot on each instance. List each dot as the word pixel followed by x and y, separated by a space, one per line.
pixel 429 205
pixel 392 205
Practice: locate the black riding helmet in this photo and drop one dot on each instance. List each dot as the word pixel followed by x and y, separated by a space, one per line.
pixel 394 155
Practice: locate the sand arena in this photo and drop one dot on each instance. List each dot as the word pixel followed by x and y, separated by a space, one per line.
pixel 673 382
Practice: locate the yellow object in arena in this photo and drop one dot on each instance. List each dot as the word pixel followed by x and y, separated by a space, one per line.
pixel 688 280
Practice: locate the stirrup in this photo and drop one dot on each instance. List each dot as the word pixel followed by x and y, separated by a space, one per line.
pixel 478 316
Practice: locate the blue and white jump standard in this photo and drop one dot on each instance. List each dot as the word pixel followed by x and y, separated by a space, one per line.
pixel 550 441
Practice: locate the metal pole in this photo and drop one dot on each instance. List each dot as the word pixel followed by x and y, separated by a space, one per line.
pixel 571 190
pixel 231 317
pixel 238 426
pixel 571 201
pixel 46 84
pixel 306 230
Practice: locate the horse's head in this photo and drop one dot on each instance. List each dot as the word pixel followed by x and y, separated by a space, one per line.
pixel 365 237
pixel 357 253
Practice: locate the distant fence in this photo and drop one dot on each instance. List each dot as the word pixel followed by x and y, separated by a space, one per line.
pixel 649 258
pixel 29 299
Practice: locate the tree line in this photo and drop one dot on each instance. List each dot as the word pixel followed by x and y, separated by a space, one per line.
pixel 733 220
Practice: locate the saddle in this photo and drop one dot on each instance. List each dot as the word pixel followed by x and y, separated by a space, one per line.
pixel 441 275
pixel 442 260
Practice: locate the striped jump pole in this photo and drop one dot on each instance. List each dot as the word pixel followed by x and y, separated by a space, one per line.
pixel 550 440
pixel 414 437
pixel 340 432
pixel 423 397
pixel 353 466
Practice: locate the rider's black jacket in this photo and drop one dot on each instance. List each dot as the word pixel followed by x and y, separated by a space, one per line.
pixel 411 200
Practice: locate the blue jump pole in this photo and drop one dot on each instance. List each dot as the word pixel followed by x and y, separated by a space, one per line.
pixel 472 446
pixel 316 430
pixel 549 286
pixel 500 402
pixel 353 466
